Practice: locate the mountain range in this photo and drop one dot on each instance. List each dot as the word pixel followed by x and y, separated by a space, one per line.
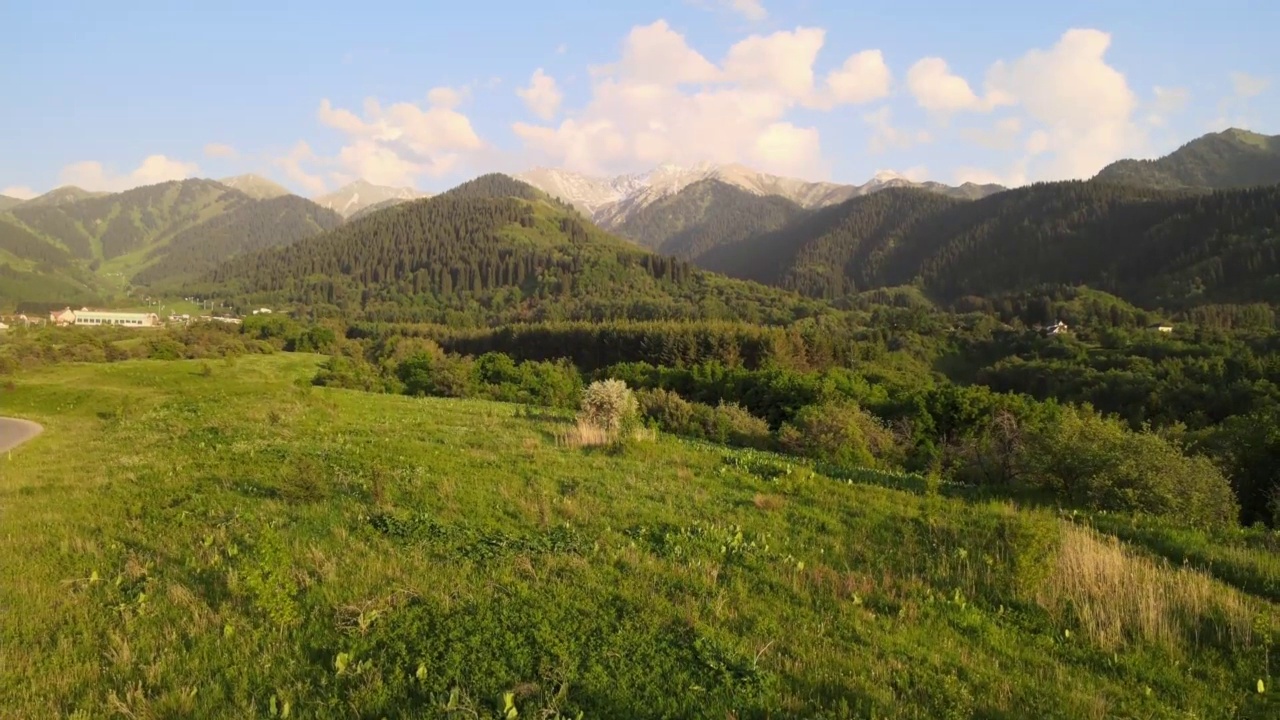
pixel 1149 229
pixel 611 201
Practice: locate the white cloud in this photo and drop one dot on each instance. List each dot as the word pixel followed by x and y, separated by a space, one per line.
pixel 393 145
pixel 663 101
pixel 885 136
pixel 220 150
pixel 92 175
pixel 781 62
pixel 938 90
pixel 1247 86
pixel 1079 111
pixel 864 77
pixel 1084 105
pixel 657 54
pixel 562 48
pixel 543 96
pixel 21 192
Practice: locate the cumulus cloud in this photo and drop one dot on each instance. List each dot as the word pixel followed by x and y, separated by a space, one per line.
pixel 392 145
pixel 1084 106
pixel 220 150
pixel 663 101
pixel 1078 111
pixel 862 78
pixel 938 90
pixel 885 136
pixel 92 175
pixel 543 96
pixel 21 192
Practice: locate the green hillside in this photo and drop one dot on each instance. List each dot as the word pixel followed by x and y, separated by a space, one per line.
pixel 157 234
pixel 490 249
pixel 1156 248
pixel 7 202
pixel 383 556
pixel 1229 159
pixel 244 228
pixel 704 216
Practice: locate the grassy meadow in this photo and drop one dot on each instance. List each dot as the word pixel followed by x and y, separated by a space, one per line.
pixel 221 539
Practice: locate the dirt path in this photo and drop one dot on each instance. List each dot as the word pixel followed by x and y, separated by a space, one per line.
pixel 14 432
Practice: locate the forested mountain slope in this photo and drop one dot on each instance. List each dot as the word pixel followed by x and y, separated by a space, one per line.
pixel 244 228
pixel 1232 158
pixel 1149 246
pixel 706 215
pixel 169 232
pixel 490 248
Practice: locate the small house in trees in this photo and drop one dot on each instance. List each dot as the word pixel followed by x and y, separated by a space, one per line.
pixel 1056 328
pixel 1161 328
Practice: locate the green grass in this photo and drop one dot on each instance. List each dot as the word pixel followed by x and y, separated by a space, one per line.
pixel 215 540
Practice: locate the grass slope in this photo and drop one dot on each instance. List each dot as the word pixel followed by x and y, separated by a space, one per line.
pixel 220 540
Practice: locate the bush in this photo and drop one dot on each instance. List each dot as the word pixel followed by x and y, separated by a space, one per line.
pixel 609 405
pixel 731 424
pixel 727 423
pixel 840 433
pixel 438 376
pixel 1099 463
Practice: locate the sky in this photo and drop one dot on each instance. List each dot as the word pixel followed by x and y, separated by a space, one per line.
pixel 109 96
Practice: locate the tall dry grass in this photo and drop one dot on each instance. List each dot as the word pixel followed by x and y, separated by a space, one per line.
pixel 1119 597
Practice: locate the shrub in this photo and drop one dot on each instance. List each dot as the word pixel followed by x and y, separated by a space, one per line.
pixel 439 376
pixel 1099 463
pixel 731 424
pixel 840 433
pixel 667 410
pixel 610 405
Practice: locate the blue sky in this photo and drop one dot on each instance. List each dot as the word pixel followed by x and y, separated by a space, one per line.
pixel 111 95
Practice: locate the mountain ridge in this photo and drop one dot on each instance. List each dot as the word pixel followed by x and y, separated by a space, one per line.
pixel 1232 158
pixel 360 194
pixel 611 201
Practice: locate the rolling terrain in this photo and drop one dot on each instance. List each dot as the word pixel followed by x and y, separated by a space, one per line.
pixel 378 553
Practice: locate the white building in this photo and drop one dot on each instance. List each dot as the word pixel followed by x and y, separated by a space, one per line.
pixel 105 317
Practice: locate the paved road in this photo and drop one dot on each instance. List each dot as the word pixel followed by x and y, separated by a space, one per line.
pixel 15 432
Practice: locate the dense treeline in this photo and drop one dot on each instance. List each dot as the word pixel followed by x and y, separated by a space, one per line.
pixel 51 222
pixel 26 245
pixel 706 215
pixel 246 227
pixel 476 260
pixel 1155 248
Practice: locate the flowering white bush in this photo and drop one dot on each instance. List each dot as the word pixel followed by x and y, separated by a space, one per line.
pixel 609 405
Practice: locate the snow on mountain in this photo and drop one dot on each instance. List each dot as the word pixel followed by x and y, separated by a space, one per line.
pixel 351 199
pixel 610 200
